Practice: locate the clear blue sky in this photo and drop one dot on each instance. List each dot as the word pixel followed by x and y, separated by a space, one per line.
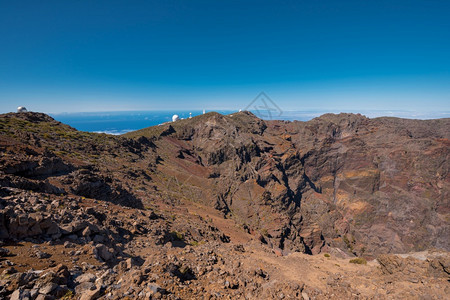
pixel 58 56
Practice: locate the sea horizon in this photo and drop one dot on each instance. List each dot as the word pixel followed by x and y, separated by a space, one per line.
pixel 121 122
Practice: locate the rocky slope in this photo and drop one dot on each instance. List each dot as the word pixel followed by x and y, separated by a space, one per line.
pixel 364 186
pixel 225 206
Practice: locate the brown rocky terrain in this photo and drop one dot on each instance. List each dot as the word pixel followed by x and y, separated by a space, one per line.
pixel 226 207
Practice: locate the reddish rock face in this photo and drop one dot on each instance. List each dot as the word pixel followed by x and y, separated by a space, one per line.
pixel 363 185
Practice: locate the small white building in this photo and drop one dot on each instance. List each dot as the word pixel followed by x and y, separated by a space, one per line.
pixel 175 118
pixel 21 109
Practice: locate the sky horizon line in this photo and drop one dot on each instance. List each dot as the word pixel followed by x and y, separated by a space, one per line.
pixel 289 115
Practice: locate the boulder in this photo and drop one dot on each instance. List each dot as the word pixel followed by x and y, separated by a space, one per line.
pixel 155 288
pixel 4 252
pixel 86 277
pixel 48 288
pixel 91 294
pixel 41 255
pixel 104 252
pixel 44 297
pixel 53 229
pixel 85 286
pixel 20 294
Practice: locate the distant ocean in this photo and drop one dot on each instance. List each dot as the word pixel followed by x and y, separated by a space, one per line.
pixel 124 121
pixel 119 122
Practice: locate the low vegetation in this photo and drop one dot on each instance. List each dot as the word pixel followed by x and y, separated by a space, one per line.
pixel 359 261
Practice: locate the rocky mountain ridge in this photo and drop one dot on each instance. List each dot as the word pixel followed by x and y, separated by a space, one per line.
pixel 225 187
pixel 342 180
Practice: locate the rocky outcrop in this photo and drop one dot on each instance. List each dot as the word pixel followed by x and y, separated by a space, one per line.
pixel 416 266
pixel 91 184
pixel 41 167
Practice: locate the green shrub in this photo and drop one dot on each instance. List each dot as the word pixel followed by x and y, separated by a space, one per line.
pixel 196 243
pixel 67 296
pixel 359 261
pixel 327 255
pixel 185 270
pixel 348 243
pixel 177 235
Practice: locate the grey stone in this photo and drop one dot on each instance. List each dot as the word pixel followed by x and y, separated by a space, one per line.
pixel 68 244
pixel 41 255
pixel 53 229
pixel 3 252
pixel 155 288
pixel 34 292
pixel 86 277
pixel 91 295
pixel 98 238
pixel 85 286
pixel 20 294
pixel 103 252
pixel 73 237
pixel 48 288
pixel 44 297
pixel 66 229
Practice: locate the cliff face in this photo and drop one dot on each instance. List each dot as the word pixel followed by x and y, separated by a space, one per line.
pixel 363 186
pixel 383 183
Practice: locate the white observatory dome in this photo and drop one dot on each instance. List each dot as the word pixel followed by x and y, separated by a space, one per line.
pixel 21 109
pixel 175 118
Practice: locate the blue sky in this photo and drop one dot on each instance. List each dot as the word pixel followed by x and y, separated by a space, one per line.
pixel 70 56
